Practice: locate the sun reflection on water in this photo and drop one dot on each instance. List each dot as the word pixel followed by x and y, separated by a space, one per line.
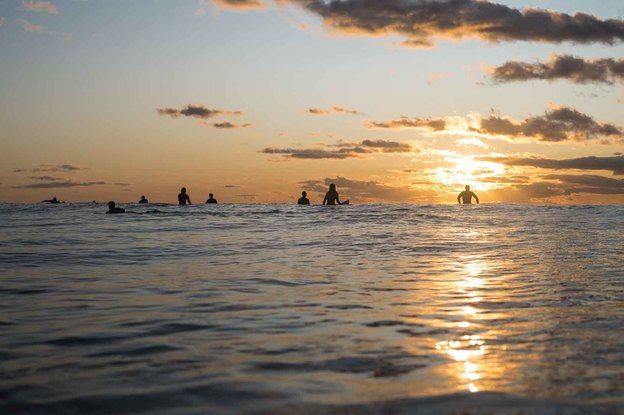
pixel 468 349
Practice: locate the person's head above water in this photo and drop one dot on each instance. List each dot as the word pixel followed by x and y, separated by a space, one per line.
pixel 467 187
pixel 111 205
pixel 143 197
pixel 304 193
pixel 210 195
pixel 332 187
pixel 183 190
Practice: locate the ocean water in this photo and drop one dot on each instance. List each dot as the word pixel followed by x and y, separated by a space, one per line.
pixel 279 309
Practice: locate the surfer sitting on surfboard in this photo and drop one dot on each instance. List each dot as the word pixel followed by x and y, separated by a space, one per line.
pixel 331 197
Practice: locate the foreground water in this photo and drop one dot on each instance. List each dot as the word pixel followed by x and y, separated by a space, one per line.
pixel 275 309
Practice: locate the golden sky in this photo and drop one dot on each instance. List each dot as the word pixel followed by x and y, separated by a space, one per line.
pixel 257 100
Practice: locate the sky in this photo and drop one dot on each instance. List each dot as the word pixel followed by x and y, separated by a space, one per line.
pixel 394 101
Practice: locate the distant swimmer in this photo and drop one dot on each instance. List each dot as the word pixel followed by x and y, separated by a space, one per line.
pixel 211 199
pixel 331 197
pixel 303 200
pixel 113 209
pixel 466 196
pixel 143 200
pixel 53 200
pixel 183 198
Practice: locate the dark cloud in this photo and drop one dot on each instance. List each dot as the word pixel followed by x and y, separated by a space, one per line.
pixel 196 111
pixel 560 124
pixel 344 151
pixel 48 168
pixel 230 186
pixel 614 164
pixel 59 185
pixel 420 21
pixel 588 183
pixel 562 67
pixel 332 110
pixel 363 190
pixel 46 178
pixel 228 125
pixel 433 124
pixel 308 153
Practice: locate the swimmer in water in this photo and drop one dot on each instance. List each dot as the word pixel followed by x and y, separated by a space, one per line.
pixel 113 209
pixel 183 198
pixel 143 200
pixel 466 197
pixel 53 200
pixel 303 200
pixel 331 197
pixel 211 199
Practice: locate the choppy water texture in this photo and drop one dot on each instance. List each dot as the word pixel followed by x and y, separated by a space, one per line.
pixel 274 309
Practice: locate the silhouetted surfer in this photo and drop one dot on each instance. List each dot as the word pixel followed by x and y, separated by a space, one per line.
pixel 211 199
pixel 183 198
pixel 331 197
pixel 113 209
pixel 143 200
pixel 303 200
pixel 466 196
pixel 53 200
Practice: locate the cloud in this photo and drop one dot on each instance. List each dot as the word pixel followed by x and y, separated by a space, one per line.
pixel 433 124
pixel 43 168
pixel 230 186
pixel 240 4
pixel 307 153
pixel 556 125
pixel 29 27
pixel 588 184
pixel 227 125
pixel 363 190
pixel 565 67
pixel 39 6
pixel 59 185
pixel 196 111
pixel 614 164
pixel 344 150
pixel 332 110
pixel 46 178
pixel 421 21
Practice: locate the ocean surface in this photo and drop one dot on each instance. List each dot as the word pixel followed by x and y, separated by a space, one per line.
pixel 279 309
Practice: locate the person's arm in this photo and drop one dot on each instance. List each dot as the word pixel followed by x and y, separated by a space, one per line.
pixel 476 197
pixel 189 199
pixel 338 199
pixel 325 199
pixel 459 197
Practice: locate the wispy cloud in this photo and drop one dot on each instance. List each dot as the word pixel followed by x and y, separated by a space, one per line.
pixel 59 184
pixel 614 164
pixel 564 67
pixel 39 6
pixel 433 124
pixel 241 4
pixel 332 111
pixel 226 125
pixel 42 168
pixel 343 150
pixel 196 111
pixel 421 21
pixel 29 27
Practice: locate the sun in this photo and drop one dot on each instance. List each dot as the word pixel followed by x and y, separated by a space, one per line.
pixel 465 170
